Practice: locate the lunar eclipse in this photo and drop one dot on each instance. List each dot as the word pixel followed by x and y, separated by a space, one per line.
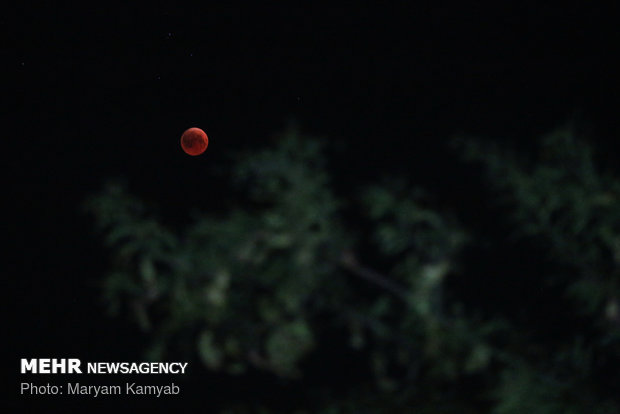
pixel 194 141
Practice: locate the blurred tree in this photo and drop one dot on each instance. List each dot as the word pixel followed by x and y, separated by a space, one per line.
pixel 267 286
pixel 563 205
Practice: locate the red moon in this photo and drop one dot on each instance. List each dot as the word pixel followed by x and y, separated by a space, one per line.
pixel 194 141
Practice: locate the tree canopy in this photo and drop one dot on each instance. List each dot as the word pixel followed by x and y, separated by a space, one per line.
pixel 298 272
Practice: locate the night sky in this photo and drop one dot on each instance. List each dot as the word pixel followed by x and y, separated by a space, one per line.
pixel 99 91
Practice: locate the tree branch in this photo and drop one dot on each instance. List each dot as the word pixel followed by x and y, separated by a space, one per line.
pixel 350 262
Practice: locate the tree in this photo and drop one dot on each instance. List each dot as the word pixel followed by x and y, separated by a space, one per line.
pixel 270 285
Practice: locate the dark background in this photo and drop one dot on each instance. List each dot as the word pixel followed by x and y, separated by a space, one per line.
pixel 103 90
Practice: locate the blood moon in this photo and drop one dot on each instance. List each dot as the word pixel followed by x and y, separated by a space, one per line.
pixel 194 141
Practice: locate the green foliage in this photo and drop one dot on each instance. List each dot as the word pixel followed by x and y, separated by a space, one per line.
pixel 268 284
pixel 249 282
pixel 526 390
pixel 561 201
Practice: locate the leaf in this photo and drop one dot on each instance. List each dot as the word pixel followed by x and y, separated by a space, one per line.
pixel 210 354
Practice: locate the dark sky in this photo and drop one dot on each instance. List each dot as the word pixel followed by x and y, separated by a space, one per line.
pixel 104 90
